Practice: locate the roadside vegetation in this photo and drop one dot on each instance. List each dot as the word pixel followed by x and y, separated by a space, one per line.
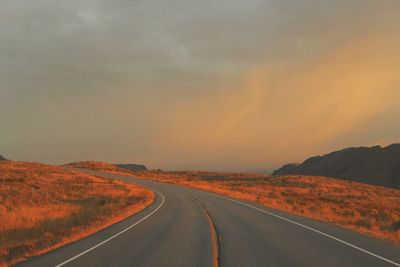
pixel 368 209
pixel 43 207
pixel 97 166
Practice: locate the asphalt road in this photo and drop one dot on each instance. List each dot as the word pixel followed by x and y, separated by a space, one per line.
pixel 175 231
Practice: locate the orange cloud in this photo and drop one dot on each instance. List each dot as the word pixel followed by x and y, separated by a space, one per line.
pixel 278 110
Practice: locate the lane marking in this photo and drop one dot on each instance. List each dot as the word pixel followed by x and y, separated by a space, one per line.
pixel 306 227
pixel 213 231
pixel 117 234
pixel 214 238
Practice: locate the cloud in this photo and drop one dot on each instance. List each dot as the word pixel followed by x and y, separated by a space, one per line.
pixel 232 84
pixel 284 113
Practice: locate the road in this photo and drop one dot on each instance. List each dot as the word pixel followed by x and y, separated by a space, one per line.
pixel 177 230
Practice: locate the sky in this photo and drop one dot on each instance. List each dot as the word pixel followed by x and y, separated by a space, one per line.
pixel 234 85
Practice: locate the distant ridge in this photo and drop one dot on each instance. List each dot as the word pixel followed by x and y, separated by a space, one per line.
pixel 371 165
pixel 132 167
pixel 2 158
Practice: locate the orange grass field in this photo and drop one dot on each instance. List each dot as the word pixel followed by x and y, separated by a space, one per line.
pixel 368 209
pixel 43 207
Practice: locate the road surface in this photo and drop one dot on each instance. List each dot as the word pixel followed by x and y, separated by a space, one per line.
pixel 177 230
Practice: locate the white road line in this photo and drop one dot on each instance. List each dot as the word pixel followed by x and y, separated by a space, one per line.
pixel 306 227
pixel 117 234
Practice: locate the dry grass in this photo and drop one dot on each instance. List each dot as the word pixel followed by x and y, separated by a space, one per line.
pixel 43 207
pixel 97 166
pixel 371 210
pixel 368 209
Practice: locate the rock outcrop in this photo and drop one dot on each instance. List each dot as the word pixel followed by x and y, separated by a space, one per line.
pixel 132 167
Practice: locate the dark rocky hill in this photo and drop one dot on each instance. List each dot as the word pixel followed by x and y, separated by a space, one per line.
pixel 373 165
pixel 132 167
pixel 2 158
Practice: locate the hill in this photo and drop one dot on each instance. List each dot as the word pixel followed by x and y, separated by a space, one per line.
pixel 2 158
pixel 132 167
pixel 372 165
pixel 96 166
pixel 43 207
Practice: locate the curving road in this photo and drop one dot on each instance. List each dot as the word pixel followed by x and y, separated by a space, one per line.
pixel 177 230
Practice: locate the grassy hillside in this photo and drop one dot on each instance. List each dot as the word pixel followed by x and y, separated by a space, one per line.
pixel 43 207
pixel 96 166
pixel 368 209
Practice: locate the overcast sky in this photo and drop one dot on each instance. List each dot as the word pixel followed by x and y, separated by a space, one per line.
pixel 218 85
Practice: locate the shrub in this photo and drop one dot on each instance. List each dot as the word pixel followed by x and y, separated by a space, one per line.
pixel 363 223
pixel 396 226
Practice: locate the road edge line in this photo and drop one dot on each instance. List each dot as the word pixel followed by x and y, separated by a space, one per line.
pixel 304 226
pixel 117 234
